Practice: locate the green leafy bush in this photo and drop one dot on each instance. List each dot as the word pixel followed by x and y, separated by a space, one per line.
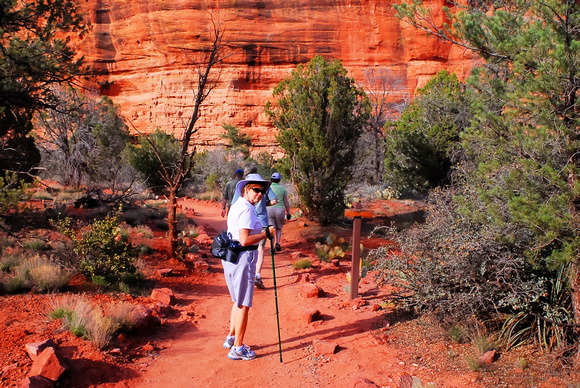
pixel 12 191
pixel 103 249
pixel 150 164
pixel 421 146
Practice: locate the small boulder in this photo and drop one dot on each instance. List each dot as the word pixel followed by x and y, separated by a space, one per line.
pixel 309 315
pixel 9 368
pixel 310 290
pixel 297 255
pixel 35 348
pixel 165 272
pixel 47 365
pixel 148 347
pixel 361 382
pixel 488 358
pixel 204 239
pixel 406 381
pixel 162 310
pixel 357 303
pixel 163 295
pixel 336 262
pixel 323 347
pixel 36 382
pixel 145 321
pixel 201 265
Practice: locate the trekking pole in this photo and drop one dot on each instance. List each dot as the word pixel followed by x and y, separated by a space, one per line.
pixel 270 237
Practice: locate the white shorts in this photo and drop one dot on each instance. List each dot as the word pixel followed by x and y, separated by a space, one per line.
pixel 240 277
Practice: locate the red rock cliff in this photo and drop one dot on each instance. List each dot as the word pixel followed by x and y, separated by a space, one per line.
pixel 142 53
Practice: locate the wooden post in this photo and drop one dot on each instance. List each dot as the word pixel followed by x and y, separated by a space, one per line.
pixel 356 224
pixel 357 213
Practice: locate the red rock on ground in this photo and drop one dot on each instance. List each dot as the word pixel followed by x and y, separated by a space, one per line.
pixel 163 295
pixel 323 347
pixel 35 348
pixel 47 365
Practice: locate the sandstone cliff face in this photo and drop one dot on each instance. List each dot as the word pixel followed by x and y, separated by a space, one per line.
pixel 143 54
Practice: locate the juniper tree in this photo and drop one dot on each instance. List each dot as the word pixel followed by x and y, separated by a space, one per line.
pixel 521 166
pixel 320 114
pixel 422 145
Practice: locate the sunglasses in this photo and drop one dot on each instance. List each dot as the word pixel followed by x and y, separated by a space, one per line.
pixel 258 190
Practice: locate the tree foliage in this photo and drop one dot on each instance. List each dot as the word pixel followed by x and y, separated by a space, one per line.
pixel 240 142
pixel 320 114
pixel 35 55
pixel 422 145
pixel 519 174
pixel 155 158
pixel 82 141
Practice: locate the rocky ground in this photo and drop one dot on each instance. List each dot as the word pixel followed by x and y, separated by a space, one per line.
pixel 327 339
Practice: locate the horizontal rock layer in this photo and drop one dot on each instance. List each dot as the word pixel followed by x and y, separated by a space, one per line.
pixel 143 55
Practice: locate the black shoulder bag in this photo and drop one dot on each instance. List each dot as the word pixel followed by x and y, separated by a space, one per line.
pixel 223 247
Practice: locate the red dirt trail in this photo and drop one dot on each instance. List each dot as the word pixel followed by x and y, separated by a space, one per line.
pixel 193 355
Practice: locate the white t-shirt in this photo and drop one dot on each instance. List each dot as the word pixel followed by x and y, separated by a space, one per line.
pixel 242 216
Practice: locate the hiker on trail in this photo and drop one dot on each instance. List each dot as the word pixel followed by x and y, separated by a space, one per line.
pixel 269 199
pixel 245 227
pixel 276 211
pixel 230 190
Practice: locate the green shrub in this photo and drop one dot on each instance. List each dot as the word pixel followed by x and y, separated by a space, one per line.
pixel 100 281
pixel 12 191
pixel 484 344
pixel 144 159
pixel 144 249
pixel 457 334
pixel 104 249
pixel 144 231
pixel 330 247
pixel 473 362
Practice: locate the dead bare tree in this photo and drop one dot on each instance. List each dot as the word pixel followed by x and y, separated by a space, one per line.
pixel 176 174
pixel 381 85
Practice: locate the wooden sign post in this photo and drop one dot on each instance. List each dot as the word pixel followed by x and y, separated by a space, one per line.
pixel 357 212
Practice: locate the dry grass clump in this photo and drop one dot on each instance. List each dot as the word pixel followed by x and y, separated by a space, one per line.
pixel 302 264
pixel 123 315
pixel 38 272
pixel 83 320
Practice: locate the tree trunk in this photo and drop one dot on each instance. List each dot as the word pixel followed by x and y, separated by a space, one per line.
pixel 575 294
pixel 172 221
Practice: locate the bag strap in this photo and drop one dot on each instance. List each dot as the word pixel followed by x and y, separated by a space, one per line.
pixel 247 248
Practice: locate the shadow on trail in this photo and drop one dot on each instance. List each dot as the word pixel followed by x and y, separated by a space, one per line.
pixel 345 333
